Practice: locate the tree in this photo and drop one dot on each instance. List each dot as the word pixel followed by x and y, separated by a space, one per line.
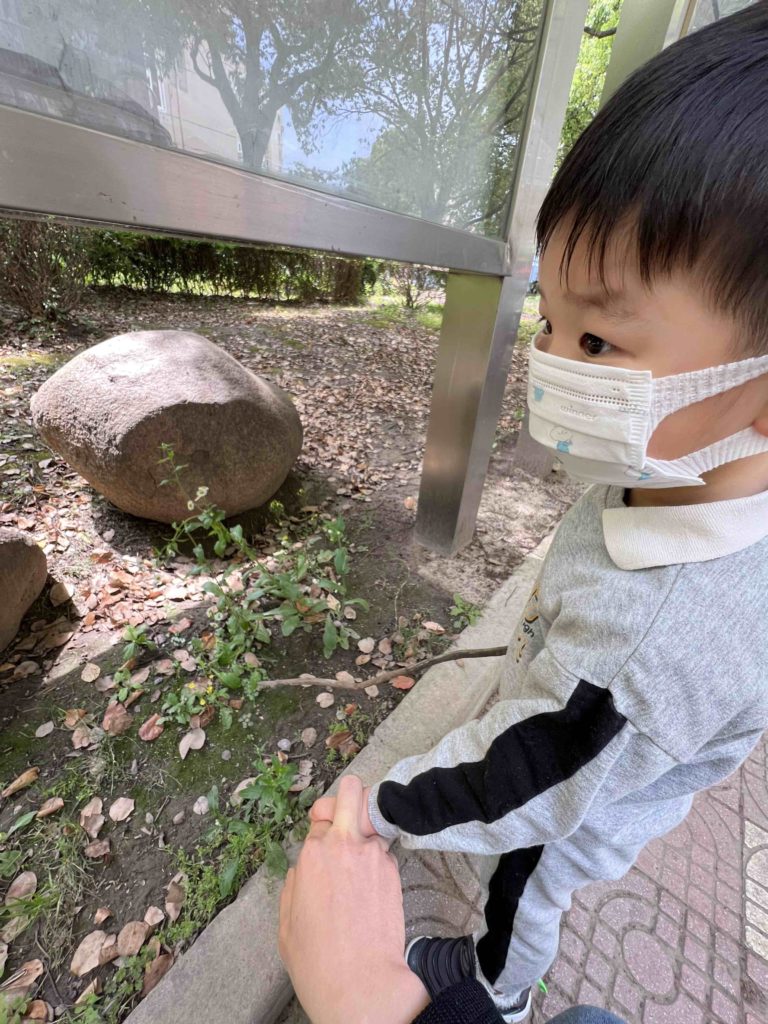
pixel 588 79
pixel 449 85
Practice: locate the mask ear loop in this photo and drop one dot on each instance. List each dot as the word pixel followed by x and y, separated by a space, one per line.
pixel 679 390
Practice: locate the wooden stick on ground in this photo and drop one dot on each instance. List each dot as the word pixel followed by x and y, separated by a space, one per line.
pixel 385 677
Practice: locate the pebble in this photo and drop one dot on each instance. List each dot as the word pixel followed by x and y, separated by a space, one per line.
pixel 284 745
pixel 178 818
pixel 149 818
pixel 226 755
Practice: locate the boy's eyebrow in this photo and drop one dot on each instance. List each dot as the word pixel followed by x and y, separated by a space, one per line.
pixel 610 304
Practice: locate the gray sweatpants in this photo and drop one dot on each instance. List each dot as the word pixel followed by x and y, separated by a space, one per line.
pixel 530 889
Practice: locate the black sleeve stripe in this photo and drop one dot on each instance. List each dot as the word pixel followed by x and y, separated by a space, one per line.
pixel 525 760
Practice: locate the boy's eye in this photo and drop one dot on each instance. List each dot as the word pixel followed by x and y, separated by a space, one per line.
pixel 547 328
pixel 591 345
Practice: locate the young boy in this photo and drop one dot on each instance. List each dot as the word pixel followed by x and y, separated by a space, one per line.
pixel 640 675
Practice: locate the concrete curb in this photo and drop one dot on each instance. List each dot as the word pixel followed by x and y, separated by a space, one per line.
pixel 233 973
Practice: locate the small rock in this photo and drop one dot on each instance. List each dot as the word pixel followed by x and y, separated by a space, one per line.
pixel 226 755
pixel 284 745
pixel 178 818
pixel 372 691
pixel 325 700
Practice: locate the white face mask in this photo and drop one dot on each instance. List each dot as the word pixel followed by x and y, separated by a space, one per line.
pixel 599 419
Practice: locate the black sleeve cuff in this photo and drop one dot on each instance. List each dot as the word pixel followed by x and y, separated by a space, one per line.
pixel 464 1003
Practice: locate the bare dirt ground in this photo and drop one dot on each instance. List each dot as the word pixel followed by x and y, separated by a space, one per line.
pixel 361 379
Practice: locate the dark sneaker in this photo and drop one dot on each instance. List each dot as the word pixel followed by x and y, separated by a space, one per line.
pixel 519 1010
pixel 441 963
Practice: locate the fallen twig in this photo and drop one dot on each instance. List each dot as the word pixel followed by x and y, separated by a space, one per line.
pixel 385 677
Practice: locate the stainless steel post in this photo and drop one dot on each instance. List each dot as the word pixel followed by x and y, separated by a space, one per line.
pixel 481 316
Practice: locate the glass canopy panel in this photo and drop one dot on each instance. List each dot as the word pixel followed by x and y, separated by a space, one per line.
pixel 707 11
pixel 415 106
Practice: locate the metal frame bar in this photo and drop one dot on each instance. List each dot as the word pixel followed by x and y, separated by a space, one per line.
pixel 49 166
pixel 480 319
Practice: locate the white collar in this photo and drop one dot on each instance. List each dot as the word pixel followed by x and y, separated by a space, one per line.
pixel 639 538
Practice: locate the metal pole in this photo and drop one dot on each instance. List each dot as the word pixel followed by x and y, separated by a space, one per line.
pixel 481 315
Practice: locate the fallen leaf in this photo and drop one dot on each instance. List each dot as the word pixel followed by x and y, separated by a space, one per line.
pixel 349 747
pixel 14 928
pixel 203 719
pixel 90 673
pixel 24 669
pixel 91 818
pixel 192 740
pixel 403 682
pixel 121 809
pixel 52 806
pixel 38 1009
pixel 362 659
pixel 434 627
pixel 251 660
pixel 151 729
pixel 236 800
pixel 366 645
pixel 132 937
pixel 105 684
pixel 22 886
pixel 175 896
pixel 93 988
pixel 140 677
pixel 154 917
pixel 201 806
pixel 44 730
pixel 61 593
pixel 164 667
pixel 97 849
pixel 350 613
pixel 25 779
pixel 86 958
pixel 309 736
pixel 179 627
pixel 346 678
pixel 73 717
pixel 81 737
pixel 117 720
pixel 19 984
pixel 108 951
pixel 303 778
pixel 325 700
pixel 335 740
pixel 52 640
pixel 385 646
pixel 154 972
pixel 133 697
pixel 101 915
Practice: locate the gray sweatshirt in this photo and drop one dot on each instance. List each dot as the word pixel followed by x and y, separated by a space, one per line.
pixel 625 689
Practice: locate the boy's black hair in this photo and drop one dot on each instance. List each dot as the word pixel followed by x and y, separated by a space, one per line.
pixel 680 153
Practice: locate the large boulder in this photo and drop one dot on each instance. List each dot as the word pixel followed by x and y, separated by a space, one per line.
pixel 108 411
pixel 23 572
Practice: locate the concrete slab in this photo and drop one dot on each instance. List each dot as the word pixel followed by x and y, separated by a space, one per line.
pixel 233 974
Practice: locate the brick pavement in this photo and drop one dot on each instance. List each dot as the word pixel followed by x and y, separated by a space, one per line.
pixel 682 939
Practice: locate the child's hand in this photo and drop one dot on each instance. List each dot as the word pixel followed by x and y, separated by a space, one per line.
pixel 324 809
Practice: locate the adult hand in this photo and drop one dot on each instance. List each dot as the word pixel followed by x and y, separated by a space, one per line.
pixel 342 930
pixel 325 808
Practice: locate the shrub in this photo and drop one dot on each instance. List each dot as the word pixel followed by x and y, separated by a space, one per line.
pixel 43 267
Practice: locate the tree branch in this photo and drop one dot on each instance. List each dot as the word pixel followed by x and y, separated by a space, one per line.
pixel 385 677
pixel 600 33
